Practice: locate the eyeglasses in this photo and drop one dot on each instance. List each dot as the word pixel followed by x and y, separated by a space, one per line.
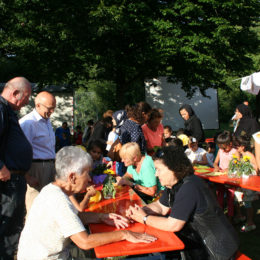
pixel 48 108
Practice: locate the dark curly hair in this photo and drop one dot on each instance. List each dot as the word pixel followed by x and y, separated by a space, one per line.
pixel 136 111
pixel 176 160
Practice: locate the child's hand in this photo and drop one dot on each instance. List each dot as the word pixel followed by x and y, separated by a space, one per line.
pixel 109 164
pixel 91 191
pixel 216 168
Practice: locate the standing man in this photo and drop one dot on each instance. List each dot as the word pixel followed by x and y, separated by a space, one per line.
pixel 37 127
pixel 15 161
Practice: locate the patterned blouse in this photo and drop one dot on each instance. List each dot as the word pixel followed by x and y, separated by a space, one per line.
pixel 132 132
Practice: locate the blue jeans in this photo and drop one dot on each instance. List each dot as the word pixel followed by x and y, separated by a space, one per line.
pixel 12 213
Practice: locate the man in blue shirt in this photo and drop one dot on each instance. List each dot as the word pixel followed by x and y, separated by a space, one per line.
pixel 38 129
pixel 15 161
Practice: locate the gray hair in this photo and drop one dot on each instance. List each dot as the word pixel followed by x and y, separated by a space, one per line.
pixel 71 159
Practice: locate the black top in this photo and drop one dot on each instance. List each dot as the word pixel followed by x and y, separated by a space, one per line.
pixel 187 201
pixel 193 126
pixel 100 132
pixel 16 151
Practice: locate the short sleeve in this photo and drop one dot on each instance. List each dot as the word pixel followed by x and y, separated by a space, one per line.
pixel 68 220
pixel 256 137
pixel 148 172
pixel 186 200
pixel 164 199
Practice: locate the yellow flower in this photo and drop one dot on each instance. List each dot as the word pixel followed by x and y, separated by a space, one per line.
pixel 246 158
pixel 108 171
pixel 234 156
pixel 235 162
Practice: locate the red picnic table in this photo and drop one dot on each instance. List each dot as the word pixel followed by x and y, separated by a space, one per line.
pixel 125 196
pixel 250 183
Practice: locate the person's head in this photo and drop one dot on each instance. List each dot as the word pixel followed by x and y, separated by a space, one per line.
pixel 224 141
pixel 154 119
pixel 242 143
pixel 176 142
pixel 119 118
pixel 72 166
pixel 130 153
pixel 45 104
pixel 172 165
pixel 167 131
pixel 17 92
pixel 246 103
pixel 96 149
pixel 193 144
pixel 78 128
pixel 107 121
pixel 186 112
pixel 90 122
pixel 211 147
pixel 108 113
pixel 243 110
pixel 64 125
pixel 139 112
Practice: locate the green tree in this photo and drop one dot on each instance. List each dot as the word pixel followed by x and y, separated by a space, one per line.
pixel 121 43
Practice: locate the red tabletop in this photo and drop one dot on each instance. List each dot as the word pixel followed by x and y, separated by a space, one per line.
pixel 251 183
pixel 166 241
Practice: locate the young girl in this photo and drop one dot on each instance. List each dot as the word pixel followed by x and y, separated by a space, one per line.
pixel 243 147
pixel 224 156
pixel 196 154
pixel 96 150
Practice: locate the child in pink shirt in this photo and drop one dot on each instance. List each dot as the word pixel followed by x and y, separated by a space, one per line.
pixel 224 156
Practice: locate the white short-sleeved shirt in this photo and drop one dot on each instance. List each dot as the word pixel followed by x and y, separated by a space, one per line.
pixel 197 155
pixel 51 221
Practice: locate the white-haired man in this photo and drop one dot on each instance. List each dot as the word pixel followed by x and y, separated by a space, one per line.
pixel 53 220
pixel 15 161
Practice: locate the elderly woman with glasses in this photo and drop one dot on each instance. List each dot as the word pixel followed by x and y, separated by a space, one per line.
pixel 188 207
pixel 53 221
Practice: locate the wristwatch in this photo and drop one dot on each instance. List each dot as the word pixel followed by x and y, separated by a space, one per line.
pixel 145 219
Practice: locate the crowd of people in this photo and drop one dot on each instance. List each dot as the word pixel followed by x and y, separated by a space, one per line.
pixel 41 171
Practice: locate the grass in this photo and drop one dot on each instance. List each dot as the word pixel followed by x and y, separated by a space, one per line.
pixel 249 242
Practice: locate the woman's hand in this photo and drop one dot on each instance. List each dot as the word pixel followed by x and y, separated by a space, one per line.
pixel 139 237
pixel 123 181
pixel 116 220
pixel 136 213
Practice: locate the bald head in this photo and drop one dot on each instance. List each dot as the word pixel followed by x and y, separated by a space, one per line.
pixel 17 92
pixel 45 104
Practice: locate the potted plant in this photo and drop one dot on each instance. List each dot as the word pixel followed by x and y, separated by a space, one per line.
pixel 234 167
pixel 108 187
pixel 246 167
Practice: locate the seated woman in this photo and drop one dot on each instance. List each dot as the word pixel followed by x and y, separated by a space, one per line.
pixel 53 221
pixel 196 154
pixel 188 206
pixel 140 174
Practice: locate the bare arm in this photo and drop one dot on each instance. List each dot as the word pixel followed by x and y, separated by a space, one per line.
pixel 257 154
pixel 126 180
pixel 164 223
pixel 216 162
pixel 85 241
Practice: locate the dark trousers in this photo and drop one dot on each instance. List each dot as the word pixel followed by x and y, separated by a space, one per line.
pixel 12 213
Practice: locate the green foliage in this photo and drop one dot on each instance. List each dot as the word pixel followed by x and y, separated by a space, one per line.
pixel 108 187
pixel 111 47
